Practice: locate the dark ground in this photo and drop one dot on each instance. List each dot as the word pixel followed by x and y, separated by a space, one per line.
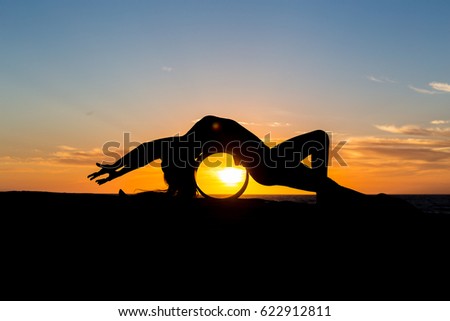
pixel 58 246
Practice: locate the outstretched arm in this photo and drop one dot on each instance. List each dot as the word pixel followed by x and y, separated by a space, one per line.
pixel 107 169
pixel 138 157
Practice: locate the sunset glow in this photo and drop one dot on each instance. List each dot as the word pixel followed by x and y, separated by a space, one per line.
pixel 231 176
pixel 218 175
pixel 83 82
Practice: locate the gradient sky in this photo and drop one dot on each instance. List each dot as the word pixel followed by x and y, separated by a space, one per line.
pixel 77 74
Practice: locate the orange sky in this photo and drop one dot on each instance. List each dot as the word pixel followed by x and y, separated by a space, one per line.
pixel 371 165
pixel 373 74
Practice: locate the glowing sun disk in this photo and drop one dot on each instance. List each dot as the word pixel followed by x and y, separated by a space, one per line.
pixel 231 176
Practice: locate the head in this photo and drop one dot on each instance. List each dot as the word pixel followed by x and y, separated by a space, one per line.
pixel 180 181
pixel 179 171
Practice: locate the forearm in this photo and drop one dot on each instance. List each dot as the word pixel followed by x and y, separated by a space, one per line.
pixel 138 157
pixel 142 155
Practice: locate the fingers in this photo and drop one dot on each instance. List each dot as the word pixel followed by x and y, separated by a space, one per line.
pixel 102 181
pixel 96 174
pixel 92 176
pixel 105 169
pixel 99 181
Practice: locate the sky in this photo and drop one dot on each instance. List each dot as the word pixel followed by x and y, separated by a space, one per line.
pixel 75 75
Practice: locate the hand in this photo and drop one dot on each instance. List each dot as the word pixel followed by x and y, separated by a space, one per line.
pixel 110 170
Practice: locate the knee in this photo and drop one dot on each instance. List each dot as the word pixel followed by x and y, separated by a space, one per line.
pixel 319 133
pixel 320 136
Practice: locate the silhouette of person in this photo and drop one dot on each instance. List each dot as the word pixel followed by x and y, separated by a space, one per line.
pixel 279 165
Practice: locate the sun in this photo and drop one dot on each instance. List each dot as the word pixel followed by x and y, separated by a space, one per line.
pixel 231 176
pixel 220 176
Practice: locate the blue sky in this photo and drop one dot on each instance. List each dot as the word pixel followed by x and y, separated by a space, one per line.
pixel 75 74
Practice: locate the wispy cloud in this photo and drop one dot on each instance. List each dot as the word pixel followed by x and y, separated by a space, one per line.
pixel 435 87
pixel 262 124
pixel 422 91
pixel 415 130
pixel 381 79
pixel 25 165
pixel 439 122
pixel 246 123
pixel 64 155
pixel 392 155
pixel 426 150
pixel 66 148
pixel 167 69
pixel 271 124
pixel 75 156
pixel 277 124
pixel 440 86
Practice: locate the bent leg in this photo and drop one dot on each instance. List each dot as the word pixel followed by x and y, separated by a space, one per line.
pixel 292 151
pixel 280 165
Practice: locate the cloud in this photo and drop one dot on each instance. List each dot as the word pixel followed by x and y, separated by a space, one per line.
pixel 440 86
pixel 423 154
pixel 381 79
pixel 75 156
pixel 263 124
pixel 245 123
pixel 64 155
pixel 436 87
pixel 271 124
pixel 277 124
pixel 422 91
pixel 439 122
pixel 399 143
pixel 167 69
pixel 427 150
pixel 415 130
pixel 372 78
pixel 405 130
pixel 66 148
pixel 442 149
